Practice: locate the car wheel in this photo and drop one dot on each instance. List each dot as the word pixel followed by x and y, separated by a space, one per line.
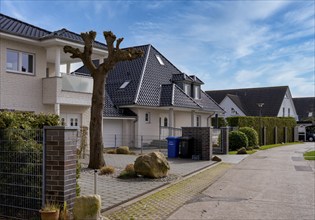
pixel 311 139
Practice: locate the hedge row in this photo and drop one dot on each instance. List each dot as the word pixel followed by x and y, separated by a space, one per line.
pixel 270 123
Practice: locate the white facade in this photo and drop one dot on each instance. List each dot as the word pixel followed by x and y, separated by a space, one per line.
pixel 287 108
pixel 43 88
pixel 230 108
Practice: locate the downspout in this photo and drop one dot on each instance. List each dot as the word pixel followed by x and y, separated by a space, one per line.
pixel 210 118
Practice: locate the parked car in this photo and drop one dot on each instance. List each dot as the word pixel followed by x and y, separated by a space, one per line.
pixel 310 136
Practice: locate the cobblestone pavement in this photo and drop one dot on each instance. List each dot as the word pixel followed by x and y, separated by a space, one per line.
pixel 114 191
pixel 161 204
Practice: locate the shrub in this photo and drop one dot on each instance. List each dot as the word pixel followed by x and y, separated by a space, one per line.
pixel 251 135
pixel 242 151
pixel 106 170
pixel 123 150
pixel 237 140
pixel 112 151
pixel 128 172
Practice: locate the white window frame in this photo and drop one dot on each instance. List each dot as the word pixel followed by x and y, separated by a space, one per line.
pixel 19 62
pixel 198 121
pixel 147 117
pixel 197 92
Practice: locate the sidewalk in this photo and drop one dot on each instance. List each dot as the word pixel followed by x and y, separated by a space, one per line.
pixel 114 191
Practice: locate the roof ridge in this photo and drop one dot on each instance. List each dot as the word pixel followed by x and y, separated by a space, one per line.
pixel 267 87
pixel 142 74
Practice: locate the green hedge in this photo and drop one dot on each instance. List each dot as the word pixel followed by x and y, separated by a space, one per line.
pixel 269 122
pixel 251 135
pixel 237 140
pixel 221 122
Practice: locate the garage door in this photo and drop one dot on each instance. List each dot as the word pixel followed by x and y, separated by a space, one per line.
pixel 112 136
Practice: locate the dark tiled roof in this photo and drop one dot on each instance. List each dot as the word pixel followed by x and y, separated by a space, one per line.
pixel 16 27
pixel 196 80
pixel 181 77
pixel 236 99
pixel 150 84
pixel 304 106
pixel 111 110
pixel 272 98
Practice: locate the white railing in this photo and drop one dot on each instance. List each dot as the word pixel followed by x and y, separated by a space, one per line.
pixel 76 83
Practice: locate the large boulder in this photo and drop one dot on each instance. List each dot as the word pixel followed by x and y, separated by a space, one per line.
pixel 152 165
pixel 87 207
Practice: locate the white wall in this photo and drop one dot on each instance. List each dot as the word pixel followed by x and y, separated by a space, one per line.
pixel 287 103
pixel 227 104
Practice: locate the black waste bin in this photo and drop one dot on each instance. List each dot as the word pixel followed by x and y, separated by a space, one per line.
pixel 185 147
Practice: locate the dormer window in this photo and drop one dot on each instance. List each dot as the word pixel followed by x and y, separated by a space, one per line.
pixel 197 93
pixel 187 89
pixel 159 58
pixel 125 84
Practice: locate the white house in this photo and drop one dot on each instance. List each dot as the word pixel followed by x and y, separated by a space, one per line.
pixel 30 72
pixel 149 99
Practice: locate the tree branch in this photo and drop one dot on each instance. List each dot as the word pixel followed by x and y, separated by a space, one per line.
pixel 118 42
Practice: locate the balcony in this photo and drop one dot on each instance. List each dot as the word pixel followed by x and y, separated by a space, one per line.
pixel 68 89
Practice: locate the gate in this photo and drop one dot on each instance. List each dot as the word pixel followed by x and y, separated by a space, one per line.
pixel 21 173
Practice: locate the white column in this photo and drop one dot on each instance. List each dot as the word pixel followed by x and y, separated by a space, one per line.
pixel 171 121
pixel 57 109
pixel 57 62
pixel 192 118
pixel 68 67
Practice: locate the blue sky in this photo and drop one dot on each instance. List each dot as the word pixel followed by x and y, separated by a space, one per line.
pixel 227 44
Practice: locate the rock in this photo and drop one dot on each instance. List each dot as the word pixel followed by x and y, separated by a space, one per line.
pixel 242 151
pixel 153 165
pixel 87 207
pixel 216 158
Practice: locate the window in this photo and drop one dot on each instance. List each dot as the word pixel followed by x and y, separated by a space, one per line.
pixel 187 89
pixel 159 58
pixel 197 94
pixel 20 62
pixel 198 121
pixel 288 112
pixel 165 122
pixel 283 112
pixel 124 85
pixel 147 117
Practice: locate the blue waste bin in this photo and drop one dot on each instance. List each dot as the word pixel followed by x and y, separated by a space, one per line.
pixel 172 146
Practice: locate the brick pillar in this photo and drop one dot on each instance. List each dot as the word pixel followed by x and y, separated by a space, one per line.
pixel 295 134
pixel 60 164
pixel 225 140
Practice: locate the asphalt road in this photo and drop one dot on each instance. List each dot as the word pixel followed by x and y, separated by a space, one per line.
pixel 273 184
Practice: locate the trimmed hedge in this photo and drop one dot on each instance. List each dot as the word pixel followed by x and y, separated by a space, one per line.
pixel 251 135
pixel 270 123
pixel 237 140
pixel 221 122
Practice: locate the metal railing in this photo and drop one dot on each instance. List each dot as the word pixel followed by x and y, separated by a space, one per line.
pixel 21 173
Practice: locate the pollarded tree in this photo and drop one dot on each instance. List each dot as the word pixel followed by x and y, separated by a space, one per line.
pixel 99 75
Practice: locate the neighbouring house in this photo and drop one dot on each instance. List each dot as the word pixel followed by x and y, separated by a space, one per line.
pixel 31 77
pixel 148 99
pixel 267 101
pixel 305 108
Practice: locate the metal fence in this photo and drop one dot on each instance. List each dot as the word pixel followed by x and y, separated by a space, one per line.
pixel 21 173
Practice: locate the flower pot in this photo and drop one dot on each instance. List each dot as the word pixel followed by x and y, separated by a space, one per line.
pixel 49 215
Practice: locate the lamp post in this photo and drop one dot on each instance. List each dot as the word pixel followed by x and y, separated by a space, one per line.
pixel 260 105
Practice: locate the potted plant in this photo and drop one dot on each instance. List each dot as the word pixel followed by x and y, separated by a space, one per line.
pixel 50 211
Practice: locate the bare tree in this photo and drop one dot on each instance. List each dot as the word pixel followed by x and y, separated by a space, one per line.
pixel 99 74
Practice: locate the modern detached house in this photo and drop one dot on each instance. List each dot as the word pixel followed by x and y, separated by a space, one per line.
pixel 149 98
pixel 266 101
pixel 31 77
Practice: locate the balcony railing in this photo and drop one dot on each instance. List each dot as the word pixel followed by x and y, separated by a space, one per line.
pixel 75 83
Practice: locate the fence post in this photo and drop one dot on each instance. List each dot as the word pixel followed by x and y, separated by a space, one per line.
pixel 60 164
pixel 285 133
pixel 141 143
pixel 44 168
pixel 276 135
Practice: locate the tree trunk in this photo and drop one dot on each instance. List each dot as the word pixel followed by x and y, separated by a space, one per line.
pixel 96 134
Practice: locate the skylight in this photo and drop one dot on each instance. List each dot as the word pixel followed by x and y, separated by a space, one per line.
pixel 160 59
pixel 124 85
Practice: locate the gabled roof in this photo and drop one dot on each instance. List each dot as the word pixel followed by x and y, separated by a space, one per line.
pixel 304 106
pixel 151 84
pixel 247 99
pixel 16 27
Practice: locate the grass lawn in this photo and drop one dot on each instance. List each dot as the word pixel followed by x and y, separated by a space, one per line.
pixel 309 155
pixel 265 147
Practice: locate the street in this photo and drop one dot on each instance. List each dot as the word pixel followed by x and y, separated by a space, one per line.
pixel 272 184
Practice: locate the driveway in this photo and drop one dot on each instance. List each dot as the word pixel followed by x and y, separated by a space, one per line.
pixel 272 184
